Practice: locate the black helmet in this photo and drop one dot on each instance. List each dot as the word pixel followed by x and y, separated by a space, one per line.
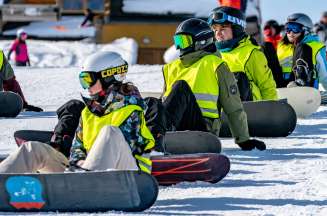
pixel 225 14
pixel 192 35
pixel 274 24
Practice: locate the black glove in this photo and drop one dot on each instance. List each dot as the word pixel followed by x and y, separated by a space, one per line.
pixel 251 144
pixel 62 143
pixel 137 150
pixel 32 108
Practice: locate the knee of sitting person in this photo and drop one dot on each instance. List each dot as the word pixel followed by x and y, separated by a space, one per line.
pixel 34 146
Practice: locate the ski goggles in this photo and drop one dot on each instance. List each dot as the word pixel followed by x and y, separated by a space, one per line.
pixel 183 41
pixel 293 27
pixel 88 78
pixel 221 17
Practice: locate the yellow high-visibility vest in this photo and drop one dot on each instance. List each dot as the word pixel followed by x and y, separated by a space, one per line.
pixel 202 79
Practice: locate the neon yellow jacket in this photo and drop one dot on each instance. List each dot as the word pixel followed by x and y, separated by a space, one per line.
pixel 249 59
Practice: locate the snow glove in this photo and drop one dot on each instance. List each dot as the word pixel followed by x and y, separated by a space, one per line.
pixel 251 144
pixel 32 108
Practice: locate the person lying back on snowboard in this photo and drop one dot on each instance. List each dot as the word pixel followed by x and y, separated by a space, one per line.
pixel 242 55
pixel 112 133
pixel 197 86
pixel 8 82
pixel 301 54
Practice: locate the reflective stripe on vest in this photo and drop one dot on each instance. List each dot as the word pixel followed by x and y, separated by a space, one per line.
pixel 285 57
pixel 202 79
pixel 93 124
pixel 316 47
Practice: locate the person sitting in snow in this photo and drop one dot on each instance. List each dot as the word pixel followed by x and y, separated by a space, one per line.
pixel 8 82
pixel 112 133
pixel 301 54
pixel 197 86
pixel 19 47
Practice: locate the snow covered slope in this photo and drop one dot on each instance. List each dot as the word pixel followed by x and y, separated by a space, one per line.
pixel 290 178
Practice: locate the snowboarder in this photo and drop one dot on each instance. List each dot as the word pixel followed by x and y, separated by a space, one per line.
pixel 197 86
pixel 112 133
pixel 301 55
pixel 242 54
pixel 272 36
pixel 321 28
pixel 8 82
pixel 19 47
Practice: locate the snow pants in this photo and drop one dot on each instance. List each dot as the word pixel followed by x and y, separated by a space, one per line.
pixel 179 111
pixel 109 151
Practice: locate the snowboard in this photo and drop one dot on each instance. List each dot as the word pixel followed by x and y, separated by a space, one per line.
pixel 78 191
pixel 265 119
pixel 11 104
pixel 323 98
pixel 172 169
pixel 178 142
pixel 168 169
pixel 304 100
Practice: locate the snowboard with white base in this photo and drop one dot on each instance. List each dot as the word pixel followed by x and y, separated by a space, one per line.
pixel 304 100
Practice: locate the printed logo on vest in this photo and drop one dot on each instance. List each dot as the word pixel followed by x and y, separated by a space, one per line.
pixel 233 89
pixel 25 192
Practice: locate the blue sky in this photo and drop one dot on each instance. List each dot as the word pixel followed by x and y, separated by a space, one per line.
pixel 280 9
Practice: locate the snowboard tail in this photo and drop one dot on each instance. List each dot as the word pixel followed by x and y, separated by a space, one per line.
pixel 173 169
pixel 78 192
pixel 265 119
pixel 11 104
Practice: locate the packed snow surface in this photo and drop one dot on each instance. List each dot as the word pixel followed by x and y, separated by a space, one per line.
pixel 289 178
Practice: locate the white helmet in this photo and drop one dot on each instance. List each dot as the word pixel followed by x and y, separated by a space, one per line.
pixel 20 32
pixel 108 67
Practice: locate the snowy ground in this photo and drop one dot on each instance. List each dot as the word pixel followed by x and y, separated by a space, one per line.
pixel 290 178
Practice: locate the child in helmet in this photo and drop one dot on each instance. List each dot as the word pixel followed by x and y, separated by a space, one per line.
pixel 301 54
pixel 242 55
pixel 112 133
pixel 19 47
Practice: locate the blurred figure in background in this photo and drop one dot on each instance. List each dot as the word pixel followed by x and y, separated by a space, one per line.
pixel 88 18
pixel 19 47
pixel 321 28
pixel 272 36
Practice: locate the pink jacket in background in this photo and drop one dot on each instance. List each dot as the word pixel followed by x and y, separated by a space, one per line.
pixel 20 49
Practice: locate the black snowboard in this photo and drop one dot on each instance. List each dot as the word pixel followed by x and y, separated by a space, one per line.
pixel 11 104
pixel 178 142
pixel 78 192
pixel 266 119
pixel 323 97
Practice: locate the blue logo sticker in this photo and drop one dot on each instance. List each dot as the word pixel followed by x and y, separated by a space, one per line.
pixel 25 192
